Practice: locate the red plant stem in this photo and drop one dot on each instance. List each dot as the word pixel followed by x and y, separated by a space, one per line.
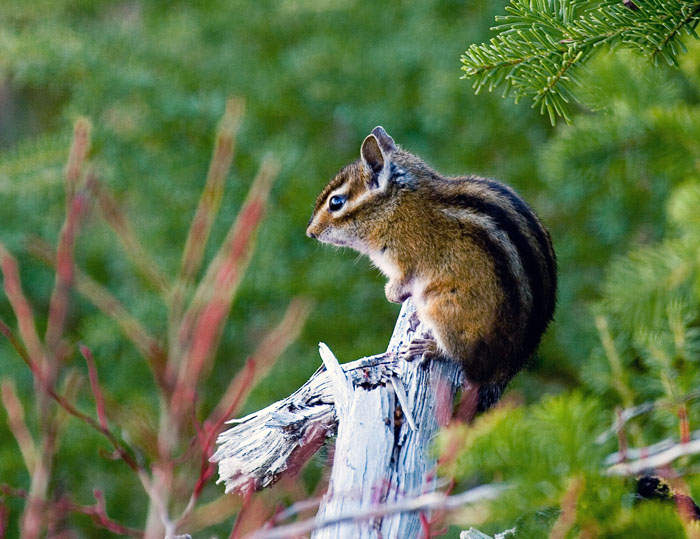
pixel 304 505
pixel 76 156
pixel 146 344
pixel 198 235
pixel 425 525
pixel 33 518
pixel 67 406
pixel 97 512
pixel 214 297
pixel 212 193
pixel 18 427
pixel 266 354
pixel 264 357
pixel 20 305
pixel 236 392
pixel 236 530
pixel 454 438
pixel 11 492
pixel 4 518
pixel 95 386
pixel 58 305
pixel 245 379
pixel 207 468
pixel 31 522
pixel 206 436
pixel 207 209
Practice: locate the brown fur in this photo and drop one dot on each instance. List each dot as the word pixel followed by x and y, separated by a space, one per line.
pixel 476 259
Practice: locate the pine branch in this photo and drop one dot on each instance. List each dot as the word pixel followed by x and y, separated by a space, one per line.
pixel 541 44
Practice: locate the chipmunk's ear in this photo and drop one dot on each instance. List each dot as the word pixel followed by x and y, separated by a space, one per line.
pixel 386 143
pixel 375 152
pixel 372 155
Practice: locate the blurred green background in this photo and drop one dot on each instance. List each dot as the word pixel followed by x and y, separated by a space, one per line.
pixel 317 76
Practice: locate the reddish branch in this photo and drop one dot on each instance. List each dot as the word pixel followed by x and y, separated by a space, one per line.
pixel 258 364
pixel 18 426
pixel 96 512
pixel 684 424
pixel 207 209
pixel 194 335
pixel 95 386
pixel 212 429
pixel 101 298
pixel 64 403
pixel 210 199
pixel 262 360
pixel 58 305
pixel 203 322
pixel 20 305
pixel 4 518
pixel 76 156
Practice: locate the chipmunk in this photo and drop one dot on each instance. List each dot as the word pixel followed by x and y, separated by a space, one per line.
pixel 474 257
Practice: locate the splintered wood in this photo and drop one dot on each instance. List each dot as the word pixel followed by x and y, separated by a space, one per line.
pixel 260 447
pixel 382 451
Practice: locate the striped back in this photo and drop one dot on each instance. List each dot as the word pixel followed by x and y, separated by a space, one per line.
pixel 514 236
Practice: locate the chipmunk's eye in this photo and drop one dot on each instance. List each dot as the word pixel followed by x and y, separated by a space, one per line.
pixel 336 202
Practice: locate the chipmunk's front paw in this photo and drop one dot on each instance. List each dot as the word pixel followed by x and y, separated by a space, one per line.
pixel 425 347
pixel 396 292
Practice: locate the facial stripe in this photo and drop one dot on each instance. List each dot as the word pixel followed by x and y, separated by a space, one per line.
pixel 346 176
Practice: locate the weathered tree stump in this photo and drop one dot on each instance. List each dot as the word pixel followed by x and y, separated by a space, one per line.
pixel 379 459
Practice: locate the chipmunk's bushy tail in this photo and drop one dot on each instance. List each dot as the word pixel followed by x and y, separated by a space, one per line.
pixel 489 395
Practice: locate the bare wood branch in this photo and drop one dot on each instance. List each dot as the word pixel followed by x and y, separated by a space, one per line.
pixel 654 456
pixel 342 387
pixel 473 533
pixel 630 413
pixel 425 502
pixel 256 451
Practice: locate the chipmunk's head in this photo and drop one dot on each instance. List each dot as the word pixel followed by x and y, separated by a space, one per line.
pixel 355 204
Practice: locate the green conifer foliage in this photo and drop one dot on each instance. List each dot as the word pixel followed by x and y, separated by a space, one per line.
pixel 611 174
pixel 542 44
pixel 627 178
